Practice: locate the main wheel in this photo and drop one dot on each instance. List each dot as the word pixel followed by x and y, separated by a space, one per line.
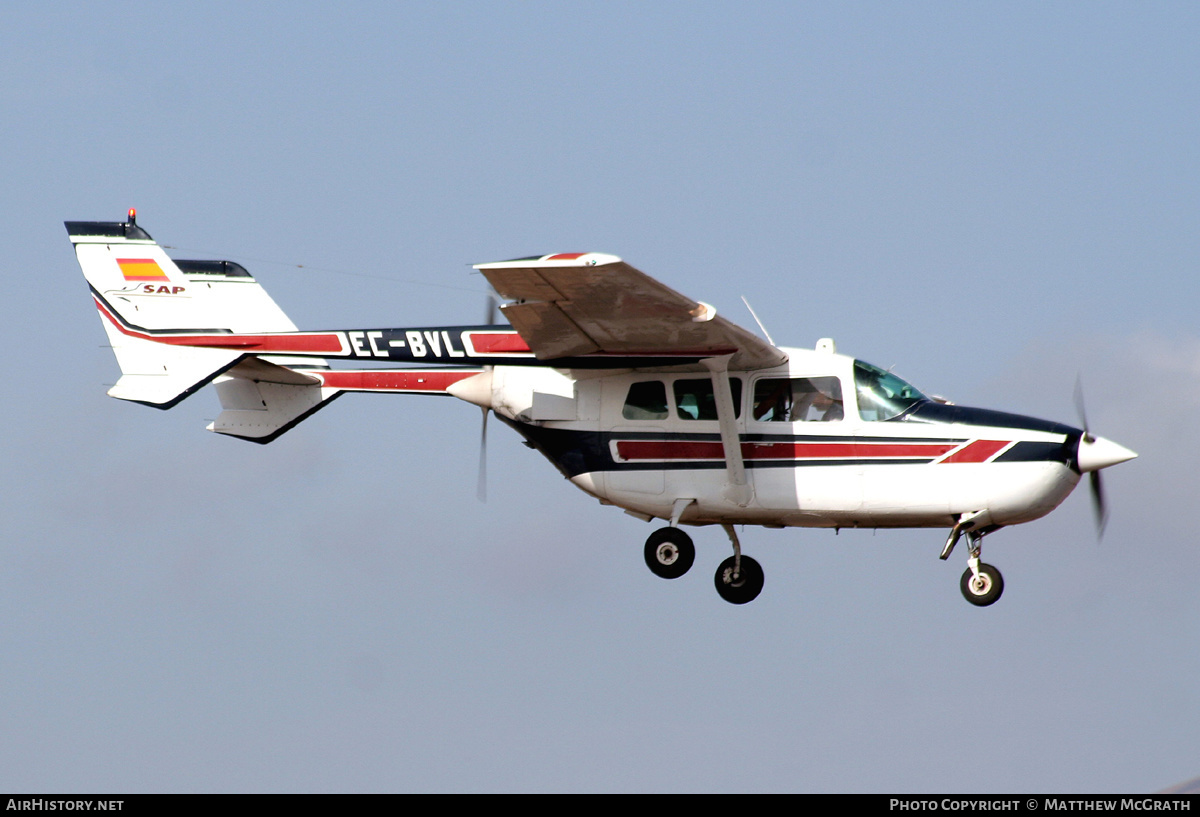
pixel 986 589
pixel 669 553
pixel 745 587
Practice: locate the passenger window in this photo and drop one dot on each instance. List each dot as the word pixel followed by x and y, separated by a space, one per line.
pixel 798 399
pixel 694 399
pixel 646 401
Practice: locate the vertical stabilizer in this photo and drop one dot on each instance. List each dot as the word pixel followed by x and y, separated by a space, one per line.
pixel 147 300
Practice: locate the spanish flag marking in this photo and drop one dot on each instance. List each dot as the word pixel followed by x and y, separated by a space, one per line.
pixel 141 269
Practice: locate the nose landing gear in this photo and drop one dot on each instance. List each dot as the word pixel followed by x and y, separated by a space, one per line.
pixel 981 584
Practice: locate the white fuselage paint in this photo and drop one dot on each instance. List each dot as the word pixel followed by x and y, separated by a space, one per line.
pixel 844 490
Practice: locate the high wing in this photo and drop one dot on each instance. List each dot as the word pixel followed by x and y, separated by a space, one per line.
pixel 591 304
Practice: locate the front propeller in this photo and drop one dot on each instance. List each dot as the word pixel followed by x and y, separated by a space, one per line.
pixel 489 319
pixel 1093 453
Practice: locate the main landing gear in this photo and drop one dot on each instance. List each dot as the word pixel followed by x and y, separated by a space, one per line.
pixel 670 553
pixel 739 579
pixel 981 584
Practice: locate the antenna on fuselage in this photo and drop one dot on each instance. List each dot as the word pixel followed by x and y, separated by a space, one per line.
pixel 766 334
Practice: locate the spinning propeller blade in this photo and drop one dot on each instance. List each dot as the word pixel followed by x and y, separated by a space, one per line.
pixel 1098 505
pixel 489 319
pixel 1080 409
pixel 489 309
pixel 1093 454
pixel 481 487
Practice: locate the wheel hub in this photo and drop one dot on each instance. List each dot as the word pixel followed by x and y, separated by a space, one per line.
pixel 667 553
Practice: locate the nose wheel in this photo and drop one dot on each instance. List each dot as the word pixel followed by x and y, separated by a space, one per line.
pixel 983 588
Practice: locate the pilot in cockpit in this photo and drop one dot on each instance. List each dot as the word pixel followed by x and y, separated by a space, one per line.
pixel 825 407
pixel 798 399
pixel 816 400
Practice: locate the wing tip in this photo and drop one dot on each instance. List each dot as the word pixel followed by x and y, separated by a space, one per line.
pixel 561 259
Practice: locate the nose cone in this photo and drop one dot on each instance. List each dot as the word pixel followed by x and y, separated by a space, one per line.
pixel 1096 453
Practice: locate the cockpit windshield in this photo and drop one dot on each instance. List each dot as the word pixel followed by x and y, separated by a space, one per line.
pixel 882 395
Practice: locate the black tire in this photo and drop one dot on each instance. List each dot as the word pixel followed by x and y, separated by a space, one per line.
pixel 745 587
pixel 987 590
pixel 669 553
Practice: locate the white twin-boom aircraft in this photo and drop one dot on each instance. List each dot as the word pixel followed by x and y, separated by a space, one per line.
pixel 640 396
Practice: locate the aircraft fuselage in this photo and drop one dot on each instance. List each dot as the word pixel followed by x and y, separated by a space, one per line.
pixel 642 441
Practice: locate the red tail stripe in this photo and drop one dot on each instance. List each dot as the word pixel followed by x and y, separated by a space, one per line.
pixel 393 380
pixel 330 344
pixel 327 343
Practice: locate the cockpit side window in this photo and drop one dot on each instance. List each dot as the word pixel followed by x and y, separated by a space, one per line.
pixel 646 400
pixel 882 395
pixel 694 399
pixel 798 399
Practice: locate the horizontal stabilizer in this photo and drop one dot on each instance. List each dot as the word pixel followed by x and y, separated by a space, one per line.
pixel 161 381
pixel 260 411
pixel 260 400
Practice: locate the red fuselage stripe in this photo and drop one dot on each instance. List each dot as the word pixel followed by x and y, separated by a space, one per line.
pixel 632 450
pixel 977 451
pixel 491 343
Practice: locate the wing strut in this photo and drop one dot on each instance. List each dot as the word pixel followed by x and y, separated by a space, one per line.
pixel 737 487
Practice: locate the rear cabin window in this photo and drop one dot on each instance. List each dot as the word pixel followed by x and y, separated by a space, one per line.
pixel 646 401
pixel 694 399
pixel 798 399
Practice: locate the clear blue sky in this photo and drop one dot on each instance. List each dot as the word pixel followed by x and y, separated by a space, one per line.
pixel 992 197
